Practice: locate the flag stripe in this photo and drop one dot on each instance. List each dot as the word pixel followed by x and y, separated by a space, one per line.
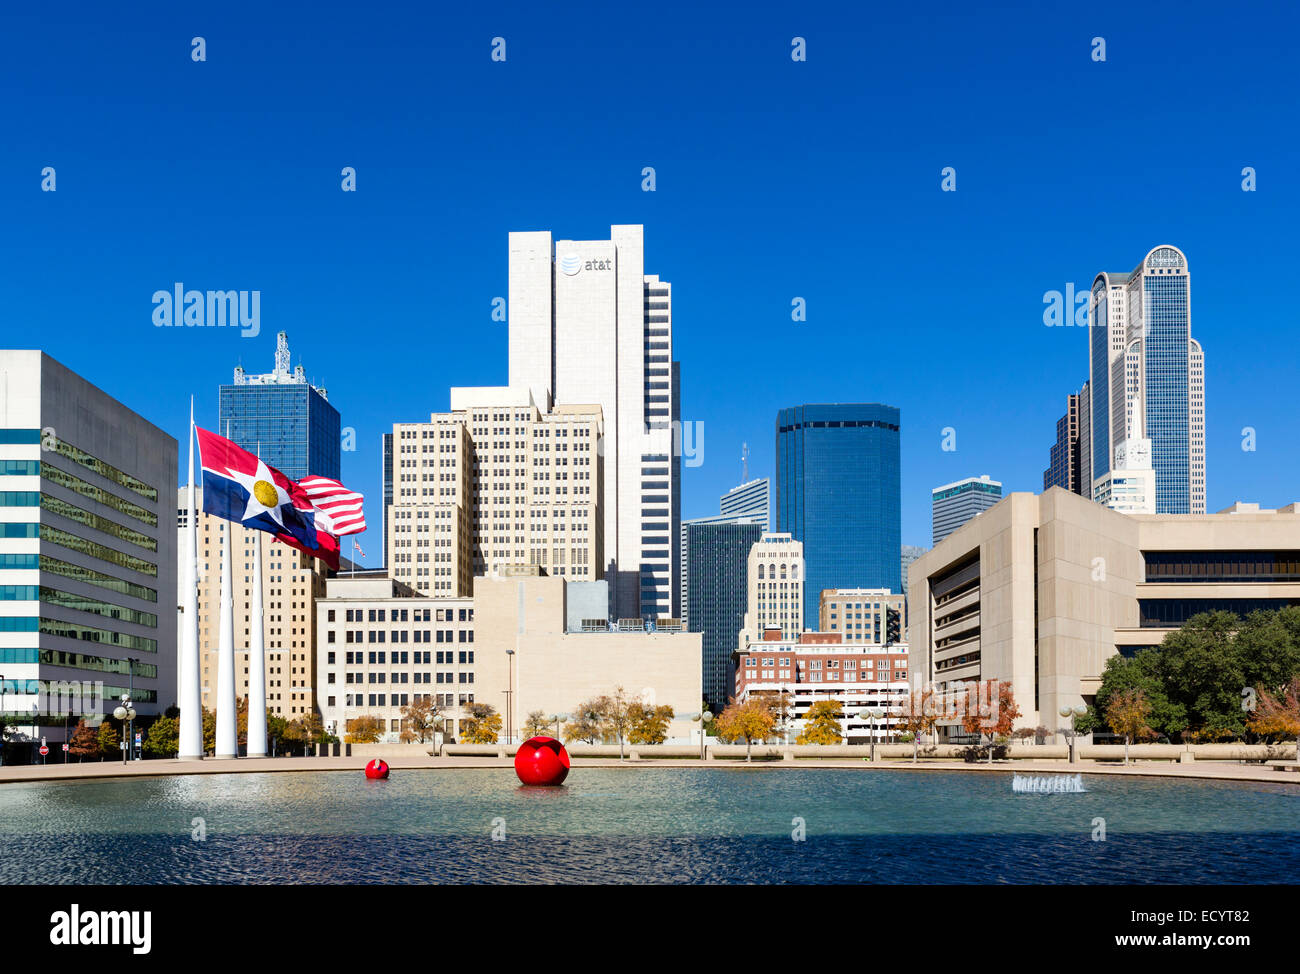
pixel 339 509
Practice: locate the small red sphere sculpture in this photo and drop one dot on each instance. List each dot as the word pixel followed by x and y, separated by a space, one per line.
pixel 542 761
pixel 377 769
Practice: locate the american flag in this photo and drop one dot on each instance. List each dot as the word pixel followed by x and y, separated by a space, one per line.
pixel 338 510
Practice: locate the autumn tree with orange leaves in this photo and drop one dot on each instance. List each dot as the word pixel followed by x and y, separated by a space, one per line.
pixel 1278 715
pixel 990 708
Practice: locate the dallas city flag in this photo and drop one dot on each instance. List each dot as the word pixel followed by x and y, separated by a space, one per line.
pixel 240 487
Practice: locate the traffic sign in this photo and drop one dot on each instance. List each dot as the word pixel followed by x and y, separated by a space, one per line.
pixel 137 740
pixel 65 747
pixel 44 750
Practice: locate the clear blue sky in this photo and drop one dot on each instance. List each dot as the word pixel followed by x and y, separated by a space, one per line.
pixel 775 180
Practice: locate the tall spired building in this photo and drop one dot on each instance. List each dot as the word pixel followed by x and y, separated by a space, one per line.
pixel 1140 348
pixel 588 326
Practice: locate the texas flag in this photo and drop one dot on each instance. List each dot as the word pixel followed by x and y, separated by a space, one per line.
pixel 240 487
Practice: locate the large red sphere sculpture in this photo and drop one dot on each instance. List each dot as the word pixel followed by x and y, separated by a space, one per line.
pixel 377 769
pixel 542 761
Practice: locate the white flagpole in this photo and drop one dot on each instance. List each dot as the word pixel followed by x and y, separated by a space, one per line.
pixel 191 696
pixel 227 731
pixel 257 658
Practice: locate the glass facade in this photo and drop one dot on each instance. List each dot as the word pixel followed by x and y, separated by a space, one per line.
pixel 290 425
pixel 837 491
pixel 1222 566
pixel 718 555
pixel 1099 378
pixel 1167 334
pixel 1171 613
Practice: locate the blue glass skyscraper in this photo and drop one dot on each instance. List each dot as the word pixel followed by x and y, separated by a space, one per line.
pixel 837 491
pixel 282 418
pixel 1141 350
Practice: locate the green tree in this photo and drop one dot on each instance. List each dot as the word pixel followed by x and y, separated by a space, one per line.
pixel 1143 673
pixel 107 740
pixel 821 724
pixel 162 740
pixel 276 727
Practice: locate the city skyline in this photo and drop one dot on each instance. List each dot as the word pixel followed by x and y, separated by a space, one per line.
pixel 389 316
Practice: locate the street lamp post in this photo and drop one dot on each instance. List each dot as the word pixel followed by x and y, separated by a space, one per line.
pixel 703 717
pixel 125 713
pixel 558 719
pixel 873 715
pixel 510 670
pixel 1072 713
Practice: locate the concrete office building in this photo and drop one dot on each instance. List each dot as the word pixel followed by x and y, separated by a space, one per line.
pixel 821 666
pixel 523 643
pixel 1140 349
pixel 492 483
pixel 718 556
pixel 292 582
pixel 1041 590
pixel 1063 466
pixel 382 645
pixel 777 573
pixel 837 491
pixel 952 505
pixel 589 326
pixel 910 553
pixel 87 552
pixel 282 418
pixel 861 615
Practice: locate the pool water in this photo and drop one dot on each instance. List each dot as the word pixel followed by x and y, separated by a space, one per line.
pixel 645 825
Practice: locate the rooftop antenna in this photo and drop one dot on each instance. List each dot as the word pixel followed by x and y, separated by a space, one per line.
pixel 744 463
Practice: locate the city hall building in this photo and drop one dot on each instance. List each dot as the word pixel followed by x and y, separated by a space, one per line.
pixel 1041 590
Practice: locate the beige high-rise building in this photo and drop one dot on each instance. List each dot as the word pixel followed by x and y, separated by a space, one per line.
pixel 776 577
pixel 860 614
pixel 492 484
pixel 292 581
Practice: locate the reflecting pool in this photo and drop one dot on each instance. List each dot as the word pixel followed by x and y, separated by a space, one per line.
pixel 645 825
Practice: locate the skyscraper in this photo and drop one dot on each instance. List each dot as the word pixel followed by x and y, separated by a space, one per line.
pixel 589 326
pixel 718 555
pixel 749 503
pixel 1140 347
pixel 282 418
pixel 1063 467
pixel 386 476
pixel 837 491
pixel 952 505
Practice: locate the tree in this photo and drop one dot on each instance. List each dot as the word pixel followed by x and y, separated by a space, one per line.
pixel 782 705
pixel 752 720
pixel 1127 714
pixel 821 724
pixel 85 741
pixel 990 708
pixel 364 730
pixel 536 725
pixel 421 719
pixel 586 723
pixel 163 738
pixel 917 715
pixel 307 729
pixel 209 730
pixel 614 715
pixel 277 728
pixel 649 723
pixel 107 740
pixel 1279 715
pixel 482 726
